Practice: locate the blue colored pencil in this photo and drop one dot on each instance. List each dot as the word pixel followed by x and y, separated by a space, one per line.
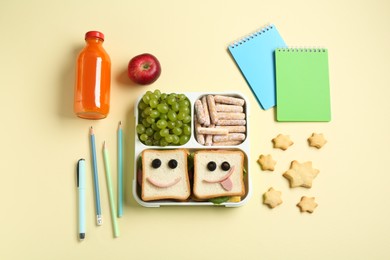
pixel 99 219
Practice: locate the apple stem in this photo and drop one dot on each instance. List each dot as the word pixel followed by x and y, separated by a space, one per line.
pixel 146 66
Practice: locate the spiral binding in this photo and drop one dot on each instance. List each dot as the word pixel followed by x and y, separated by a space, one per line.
pixel 302 49
pixel 248 37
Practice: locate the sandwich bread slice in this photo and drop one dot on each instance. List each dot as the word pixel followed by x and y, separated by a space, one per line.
pixel 165 175
pixel 218 173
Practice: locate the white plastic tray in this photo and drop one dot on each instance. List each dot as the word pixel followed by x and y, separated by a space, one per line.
pixel 193 145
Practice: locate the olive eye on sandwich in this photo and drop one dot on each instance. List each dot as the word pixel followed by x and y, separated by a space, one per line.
pixel 156 163
pixel 225 166
pixel 211 166
pixel 172 164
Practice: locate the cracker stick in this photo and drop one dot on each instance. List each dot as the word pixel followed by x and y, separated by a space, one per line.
pixel 206 111
pixel 212 131
pixel 225 143
pixel 232 122
pixel 230 116
pixel 229 100
pixel 209 138
pixel 228 108
pixel 198 137
pixel 213 112
pixel 229 137
pixel 233 128
pixel 199 112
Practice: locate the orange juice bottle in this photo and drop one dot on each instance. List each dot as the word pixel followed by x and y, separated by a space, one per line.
pixel 93 78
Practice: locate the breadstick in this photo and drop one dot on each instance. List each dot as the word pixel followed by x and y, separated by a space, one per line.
pixel 232 122
pixel 212 131
pixel 229 100
pixel 199 112
pixel 213 112
pixel 206 111
pixel 233 128
pixel 229 137
pixel 199 137
pixel 226 143
pixel 209 138
pixel 228 108
pixel 230 116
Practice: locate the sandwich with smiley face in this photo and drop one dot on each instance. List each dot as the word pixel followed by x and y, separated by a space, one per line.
pixel 218 173
pixel 165 175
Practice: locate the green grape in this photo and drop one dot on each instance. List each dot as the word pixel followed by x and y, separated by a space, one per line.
pixel 181 115
pixel 175 139
pixel 163 142
pixel 150 120
pixel 154 114
pixel 143 115
pixel 184 103
pixel 164 132
pixel 186 130
pixel 157 136
pixel 161 123
pixel 181 96
pixel 153 96
pixel 145 123
pixel 149 131
pixel 149 142
pixel 175 106
pixel 143 137
pixel 147 111
pixel 170 100
pixel 154 127
pixel 185 110
pixel 164 116
pixel 186 119
pixel 163 96
pixel 157 92
pixel 172 115
pixel 146 99
pixel 170 124
pixel 184 139
pixel 142 105
pixel 140 129
pixel 169 138
pixel 179 123
pixel 156 142
pixel 153 103
pixel 162 108
pixel 177 131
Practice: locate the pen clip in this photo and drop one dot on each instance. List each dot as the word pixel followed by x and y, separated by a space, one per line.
pixel 78 172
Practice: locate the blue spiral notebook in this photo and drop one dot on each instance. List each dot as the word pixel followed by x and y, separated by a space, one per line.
pixel 255 56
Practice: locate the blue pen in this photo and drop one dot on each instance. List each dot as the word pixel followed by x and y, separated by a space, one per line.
pixel 81 194
pixel 99 219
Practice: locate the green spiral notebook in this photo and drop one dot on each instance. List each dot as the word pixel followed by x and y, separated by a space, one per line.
pixel 302 85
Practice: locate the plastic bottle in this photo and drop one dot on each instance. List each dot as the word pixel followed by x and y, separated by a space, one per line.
pixel 93 78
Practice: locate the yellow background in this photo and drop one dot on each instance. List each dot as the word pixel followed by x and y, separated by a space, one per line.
pixel 41 139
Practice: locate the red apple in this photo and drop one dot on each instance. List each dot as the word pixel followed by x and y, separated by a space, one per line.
pixel 144 69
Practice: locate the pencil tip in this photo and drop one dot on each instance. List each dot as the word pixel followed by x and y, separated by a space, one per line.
pixel 91 131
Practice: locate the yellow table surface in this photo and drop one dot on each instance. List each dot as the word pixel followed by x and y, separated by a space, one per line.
pixel 41 139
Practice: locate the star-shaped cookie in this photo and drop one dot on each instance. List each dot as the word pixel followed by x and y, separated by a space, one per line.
pixel 282 142
pixel 266 162
pixel 272 198
pixel 317 140
pixel 307 204
pixel 301 174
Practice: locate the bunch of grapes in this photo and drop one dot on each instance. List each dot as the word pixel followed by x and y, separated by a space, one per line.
pixel 164 119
